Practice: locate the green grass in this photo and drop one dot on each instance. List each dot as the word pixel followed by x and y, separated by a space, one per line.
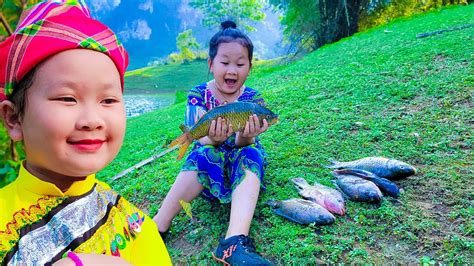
pixel 414 101
pixel 166 77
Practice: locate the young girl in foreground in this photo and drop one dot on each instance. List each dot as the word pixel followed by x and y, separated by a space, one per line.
pixel 224 165
pixel 63 77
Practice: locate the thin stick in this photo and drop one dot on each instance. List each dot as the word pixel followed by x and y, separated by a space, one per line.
pixel 5 24
pixel 144 162
pixel 426 34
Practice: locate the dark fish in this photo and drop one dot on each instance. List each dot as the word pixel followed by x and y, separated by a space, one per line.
pixel 382 167
pixel 329 198
pixel 302 211
pixel 358 189
pixel 237 114
pixel 385 185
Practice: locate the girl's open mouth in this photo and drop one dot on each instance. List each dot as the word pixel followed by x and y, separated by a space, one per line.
pixel 230 82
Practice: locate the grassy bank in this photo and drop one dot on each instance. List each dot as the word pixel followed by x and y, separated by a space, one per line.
pixel 381 92
pixel 166 77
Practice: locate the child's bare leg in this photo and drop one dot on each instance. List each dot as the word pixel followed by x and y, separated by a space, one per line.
pixel 186 187
pixel 244 200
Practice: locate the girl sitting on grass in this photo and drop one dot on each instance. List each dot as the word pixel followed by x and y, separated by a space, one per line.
pixel 226 166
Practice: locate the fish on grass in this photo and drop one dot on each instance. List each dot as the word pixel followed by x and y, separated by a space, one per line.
pixel 302 211
pixel 382 167
pixel 329 198
pixel 237 114
pixel 386 186
pixel 358 189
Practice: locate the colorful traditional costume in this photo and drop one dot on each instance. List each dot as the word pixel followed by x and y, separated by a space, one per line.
pixel 38 222
pixel 221 169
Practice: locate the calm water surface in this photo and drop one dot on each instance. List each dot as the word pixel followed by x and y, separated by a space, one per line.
pixel 137 104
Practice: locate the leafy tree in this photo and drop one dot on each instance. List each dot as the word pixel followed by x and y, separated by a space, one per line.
pixel 242 12
pixel 187 47
pixel 10 14
pixel 310 24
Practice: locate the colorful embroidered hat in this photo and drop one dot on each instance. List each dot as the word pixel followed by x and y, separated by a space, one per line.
pixel 51 27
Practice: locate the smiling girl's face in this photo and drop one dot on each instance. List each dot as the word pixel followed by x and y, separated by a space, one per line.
pixel 230 67
pixel 74 119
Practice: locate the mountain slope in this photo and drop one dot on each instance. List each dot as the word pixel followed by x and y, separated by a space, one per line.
pixel 382 92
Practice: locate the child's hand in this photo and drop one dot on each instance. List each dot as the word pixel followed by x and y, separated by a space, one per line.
pixel 253 128
pixel 220 130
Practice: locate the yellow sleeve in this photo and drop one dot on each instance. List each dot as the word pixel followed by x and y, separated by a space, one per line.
pixel 149 249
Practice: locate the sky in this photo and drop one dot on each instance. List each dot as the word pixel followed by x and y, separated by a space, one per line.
pixel 148 28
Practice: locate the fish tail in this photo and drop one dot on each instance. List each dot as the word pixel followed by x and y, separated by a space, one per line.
pixel 184 140
pixel 183 149
pixel 271 203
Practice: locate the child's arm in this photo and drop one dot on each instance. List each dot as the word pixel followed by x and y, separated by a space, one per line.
pixel 251 131
pixel 89 259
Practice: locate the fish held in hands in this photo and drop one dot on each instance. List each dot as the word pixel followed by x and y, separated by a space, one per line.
pixel 236 114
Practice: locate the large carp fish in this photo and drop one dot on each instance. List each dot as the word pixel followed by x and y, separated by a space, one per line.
pixel 382 167
pixel 358 189
pixel 329 198
pixel 237 114
pixel 386 186
pixel 302 211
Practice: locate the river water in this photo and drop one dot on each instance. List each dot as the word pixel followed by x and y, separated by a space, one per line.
pixel 137 104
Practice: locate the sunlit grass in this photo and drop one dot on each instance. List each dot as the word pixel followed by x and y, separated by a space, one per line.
pixel 382 92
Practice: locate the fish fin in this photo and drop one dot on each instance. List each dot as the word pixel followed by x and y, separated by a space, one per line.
pixel 183 149
pixel 184 128
pixel 271 203
pixel 357 172
pixel 344 195
pixel 180 140
pixel 279 212
pixel 261 103
pixel 187 208
pixel 333 165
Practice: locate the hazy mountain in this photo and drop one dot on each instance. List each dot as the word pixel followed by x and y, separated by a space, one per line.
pixel 148 28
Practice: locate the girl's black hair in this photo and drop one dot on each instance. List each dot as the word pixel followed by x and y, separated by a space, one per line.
pixel 229 33
pixel 18 96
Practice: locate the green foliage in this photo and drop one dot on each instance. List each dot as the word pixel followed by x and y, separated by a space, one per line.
pixel 242 12
pixel 309 24
pixel 384 12
pixel 11 10
pixel 187 46
pixel 9 163
pixel 181 96
pixel 413 101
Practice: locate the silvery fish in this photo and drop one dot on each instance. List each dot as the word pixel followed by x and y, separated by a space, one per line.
pixel 329 198
pixel 237 114
pixel 302 211
pixel 382 167
pixel 386 186
pixel 358 189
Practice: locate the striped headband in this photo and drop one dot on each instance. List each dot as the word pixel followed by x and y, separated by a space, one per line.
pixel 51 27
